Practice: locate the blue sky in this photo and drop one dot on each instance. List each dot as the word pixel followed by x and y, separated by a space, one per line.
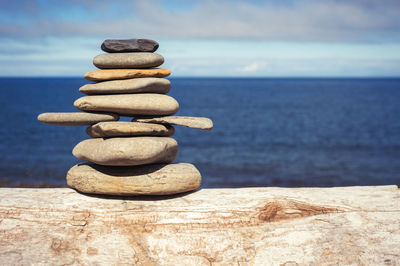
pixel 278 38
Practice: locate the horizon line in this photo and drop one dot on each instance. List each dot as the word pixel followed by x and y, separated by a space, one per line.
pixel 231 77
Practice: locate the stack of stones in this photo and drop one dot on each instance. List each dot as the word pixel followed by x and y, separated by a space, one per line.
pixel 129 158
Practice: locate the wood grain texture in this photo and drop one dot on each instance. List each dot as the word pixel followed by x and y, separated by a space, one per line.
pixel 247 226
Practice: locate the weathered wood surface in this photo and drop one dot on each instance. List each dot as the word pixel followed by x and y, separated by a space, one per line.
pixel 248 226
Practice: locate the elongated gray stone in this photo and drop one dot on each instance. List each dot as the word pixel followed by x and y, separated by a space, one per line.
pixel 137 85
pixel 127 151
pixel 119 129
pixel 75 118
pixel 187 121
pixel 153 179
pixel 130 45
pixel 129 104
pixel 128 60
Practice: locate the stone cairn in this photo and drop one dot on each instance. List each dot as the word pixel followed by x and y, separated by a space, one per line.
pixel 129 158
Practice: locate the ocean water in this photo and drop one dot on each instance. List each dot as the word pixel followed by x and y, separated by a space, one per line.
pixel 267 132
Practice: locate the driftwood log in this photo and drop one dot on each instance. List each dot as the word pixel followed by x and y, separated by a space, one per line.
pixel 248 226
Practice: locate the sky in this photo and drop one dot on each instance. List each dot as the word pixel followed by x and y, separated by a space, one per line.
pixel 276 38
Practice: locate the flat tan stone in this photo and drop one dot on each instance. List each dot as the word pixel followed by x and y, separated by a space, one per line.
pixel 75 118
pixel 137 85
pixel 119 129
pixel 153 179
pixel 111 74
pixel 128 60
pixel 127 151
pixel 187 121
pixel 129 104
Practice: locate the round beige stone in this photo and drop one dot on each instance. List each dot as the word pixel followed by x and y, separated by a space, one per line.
pixel 153 179
pixel 128 60
pixel 138 85
pixel 119 129
pixel 127 151
pixel 129 104
pixel 75 118
pixel 111 74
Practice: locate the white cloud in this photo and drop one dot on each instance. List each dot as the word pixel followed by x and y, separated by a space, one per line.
pixel 73 57
pixel 301 20
pixel 253 67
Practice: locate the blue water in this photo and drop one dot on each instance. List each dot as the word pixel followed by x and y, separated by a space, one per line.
pixel 267 132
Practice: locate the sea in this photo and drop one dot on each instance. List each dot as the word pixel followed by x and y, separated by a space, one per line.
pixel 287 132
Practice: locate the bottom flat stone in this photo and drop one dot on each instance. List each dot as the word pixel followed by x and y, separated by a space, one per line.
pixel 153 179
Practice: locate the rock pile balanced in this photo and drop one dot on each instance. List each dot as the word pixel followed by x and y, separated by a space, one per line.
pixel 129 158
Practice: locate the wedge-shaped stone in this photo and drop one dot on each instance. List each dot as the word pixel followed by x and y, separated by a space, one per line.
pixel 120 129
pixel 129 104
pixel 128 60
pixel 130 45
pixel 75 118
pixel 155 85
pixel 153 179
pixel 111 74
pixel 127 151
pixel 187 121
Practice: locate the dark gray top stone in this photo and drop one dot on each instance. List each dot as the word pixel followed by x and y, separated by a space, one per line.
pixel 131 45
